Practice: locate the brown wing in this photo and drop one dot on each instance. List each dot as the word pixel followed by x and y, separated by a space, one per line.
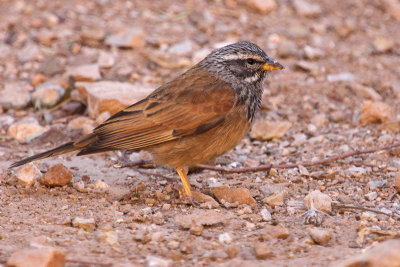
pixel 175 110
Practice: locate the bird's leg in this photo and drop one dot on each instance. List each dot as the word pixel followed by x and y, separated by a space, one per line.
pixel 186 185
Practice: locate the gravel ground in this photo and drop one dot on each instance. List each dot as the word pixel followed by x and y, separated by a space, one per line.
pixel 340 91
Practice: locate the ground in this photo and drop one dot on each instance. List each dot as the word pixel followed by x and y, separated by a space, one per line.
pixel 356 39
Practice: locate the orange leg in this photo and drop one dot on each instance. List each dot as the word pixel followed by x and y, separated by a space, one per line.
pixel 186 185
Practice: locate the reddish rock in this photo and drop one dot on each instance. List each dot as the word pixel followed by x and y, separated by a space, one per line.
pixel 375 112
pixel 111 96
pixel 262 6
pixel 262 251
pixel 232 195
pixel 58 175
pixel 42 257
pixel 265 130
pixel 130 38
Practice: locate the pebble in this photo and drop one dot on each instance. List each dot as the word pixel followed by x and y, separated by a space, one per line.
pixel 375 112
pixel 307 66
pixel 182 48
pixel 84 223
pixel 25 131
pixel 266 130
pixel 262 251
pixel 196 229
pixel 266 215
pixel 307 9
pixel 371 196
pixel 28 174
pixel 276 199
pixel 317 200
pixel 313 53
pixel 366 92
pixel 100 185
pixel 262 6
pixel 47 94
pixel 130 38
pixel 14 96
pixel 232 195
pixel 58 175
pixel 287 49
pixel 106 60
pixel 40 257
pixel 383 45
pixel 205 201
pixel 111 96
pixel 385 254
pixel 89 73
pixel 82 123
pixel 341 77
pixel 320 236
pixel 153 261
pixel 275 231
pixel 29 52
pixel 393 8
pixel 200 217
pixel 225 238
pixel 109 237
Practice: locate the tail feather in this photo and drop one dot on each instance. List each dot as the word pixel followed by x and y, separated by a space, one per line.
pixel 65 148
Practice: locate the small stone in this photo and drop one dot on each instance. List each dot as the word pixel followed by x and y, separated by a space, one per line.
pixel 393 8
pixel 232 195
pixel 307 9
pixel 41 257
pixel 14 96
pixel 371 196
pixel 201 217
pixel 30 52
pixel 47 94
pixel 375 112
pixel 303 171
pixel 274 231
pixel 182 48
pixel 58 175
pixel 307 66
pixel 92 36
pixel 87 73
pixel 28 174
pixel 341 77
pixel 50 66
pixel 39 241
pixel 38 79
pixel 85 224
pixel 100 185
pixel 108 96
pixel 313 53
pixel 262 6
pixel 397 181
pixel 196 229
pixel 385 254
pixel 25 131
pixel 266 130
pixel 225 238
pixel 158 218
pixel 153 261
pixel 262 251
pixel 366 92
pixel 276 199
pixel 131 38
pixel 266 215
pixel 106 60
pixel 232 251
pixel 287 49
pixel 109 237
pixel 205 201
pixel 383 45
pixel 82 123
pixel 317 200
pixel 320 236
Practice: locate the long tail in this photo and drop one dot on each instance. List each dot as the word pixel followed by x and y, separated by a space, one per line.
pixel 80 144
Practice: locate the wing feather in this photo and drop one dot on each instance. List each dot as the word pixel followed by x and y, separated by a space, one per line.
pixel 194 108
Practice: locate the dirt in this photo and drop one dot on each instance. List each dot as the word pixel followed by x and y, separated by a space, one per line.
pixel 140 205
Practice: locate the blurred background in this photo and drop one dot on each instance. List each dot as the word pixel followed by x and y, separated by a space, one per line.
pixel 340 90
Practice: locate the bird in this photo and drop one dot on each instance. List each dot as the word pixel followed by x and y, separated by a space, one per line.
pixel 190 120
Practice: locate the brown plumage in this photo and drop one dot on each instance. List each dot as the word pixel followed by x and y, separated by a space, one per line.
pixel 194 118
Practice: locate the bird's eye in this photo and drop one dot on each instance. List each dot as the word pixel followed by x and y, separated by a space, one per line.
pixel 251 61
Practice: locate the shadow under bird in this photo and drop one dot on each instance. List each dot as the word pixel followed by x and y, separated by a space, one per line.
pixel 190 120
